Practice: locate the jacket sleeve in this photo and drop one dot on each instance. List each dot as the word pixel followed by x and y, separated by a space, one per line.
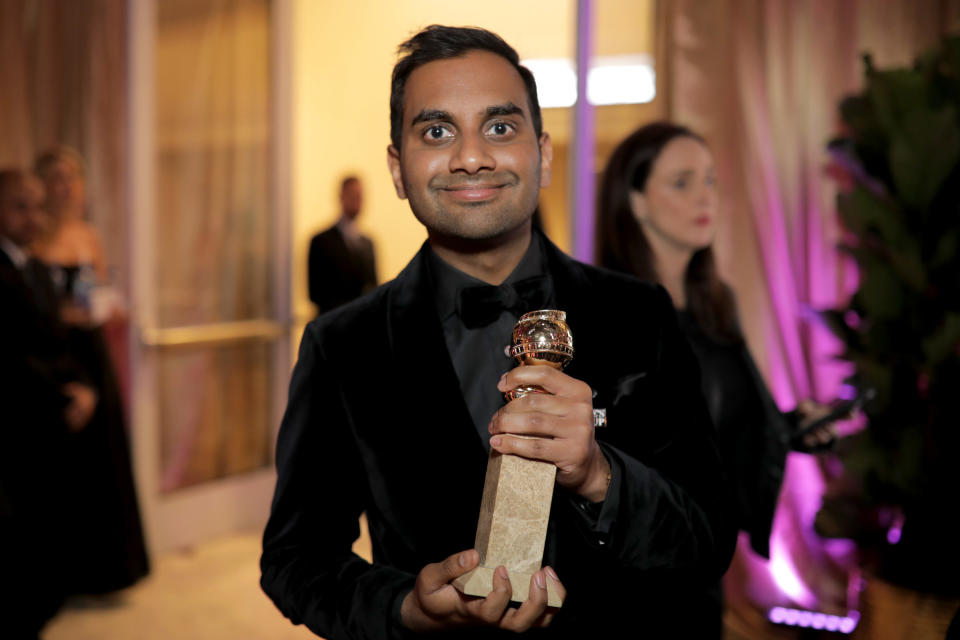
pixel 673 503
pixel 307 566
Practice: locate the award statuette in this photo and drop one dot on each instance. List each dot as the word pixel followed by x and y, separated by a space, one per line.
pixel 517 491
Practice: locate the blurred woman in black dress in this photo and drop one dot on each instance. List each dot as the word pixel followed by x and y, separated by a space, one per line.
pixel 656 220
pixel 108 551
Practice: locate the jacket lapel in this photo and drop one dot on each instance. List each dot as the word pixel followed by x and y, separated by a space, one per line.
pixel 571 289
pixel 423 365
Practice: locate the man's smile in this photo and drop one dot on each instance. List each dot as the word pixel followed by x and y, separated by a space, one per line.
pixel 474 192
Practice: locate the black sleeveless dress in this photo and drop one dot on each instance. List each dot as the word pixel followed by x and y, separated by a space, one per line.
pixel 108 551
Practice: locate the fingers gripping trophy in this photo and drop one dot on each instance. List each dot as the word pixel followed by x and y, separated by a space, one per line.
pixel 517 491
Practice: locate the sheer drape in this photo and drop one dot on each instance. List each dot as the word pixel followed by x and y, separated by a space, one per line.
pixel 762 80
pixel 63 81
pixel 213 234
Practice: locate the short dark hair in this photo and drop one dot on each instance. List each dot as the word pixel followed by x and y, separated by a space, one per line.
pixel 438 42
pixel 347 180
pixel 10 176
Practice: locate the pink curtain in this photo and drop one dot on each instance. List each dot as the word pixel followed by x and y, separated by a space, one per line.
pixel 64 81
pixel 761 80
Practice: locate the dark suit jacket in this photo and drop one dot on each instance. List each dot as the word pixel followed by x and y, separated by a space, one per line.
pixel 376 422
pixel 36 361
pixel 34 365
pixel 337 273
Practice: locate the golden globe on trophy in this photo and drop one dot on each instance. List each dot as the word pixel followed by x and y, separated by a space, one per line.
pixel 517 492
pixel 540 337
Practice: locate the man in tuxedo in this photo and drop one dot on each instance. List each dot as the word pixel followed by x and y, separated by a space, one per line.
pixel 341 262
pixel 397 398
pixel 43 397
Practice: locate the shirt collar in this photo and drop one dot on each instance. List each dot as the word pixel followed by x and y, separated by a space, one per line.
pixel 348 227
pixel 447 280
pixel 17 255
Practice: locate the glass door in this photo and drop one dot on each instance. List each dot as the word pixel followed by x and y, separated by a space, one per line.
pixel 209 251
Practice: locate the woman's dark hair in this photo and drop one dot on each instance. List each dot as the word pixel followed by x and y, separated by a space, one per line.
pixel 438 42
pixel 622 245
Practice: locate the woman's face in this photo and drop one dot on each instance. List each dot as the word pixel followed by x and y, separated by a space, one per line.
pixel 678 207
pixel 64 182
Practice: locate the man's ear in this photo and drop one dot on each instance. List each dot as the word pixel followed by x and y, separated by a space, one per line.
pixel 546 159
pixel 638 205
pixel 393 163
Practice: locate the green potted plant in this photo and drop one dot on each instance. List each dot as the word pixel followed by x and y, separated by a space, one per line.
pixel 900 205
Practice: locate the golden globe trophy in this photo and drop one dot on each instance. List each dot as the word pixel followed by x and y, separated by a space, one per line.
pixel 517 491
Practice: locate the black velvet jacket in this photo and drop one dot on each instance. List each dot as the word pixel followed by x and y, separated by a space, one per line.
pixel 376 422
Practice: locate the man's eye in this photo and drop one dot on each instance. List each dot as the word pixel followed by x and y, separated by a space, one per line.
pixel 438 132
pixel 680 184
pixel 500 129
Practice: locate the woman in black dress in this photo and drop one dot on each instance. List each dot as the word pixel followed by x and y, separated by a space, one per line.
pixel 656 220
pixel 107 547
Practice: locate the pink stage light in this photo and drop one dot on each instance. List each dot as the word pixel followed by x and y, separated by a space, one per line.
pixel 814 619
pixel 896 528
pixel 784 572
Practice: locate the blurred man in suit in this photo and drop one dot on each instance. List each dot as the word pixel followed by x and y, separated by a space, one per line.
pixel 342 265
pixel 43 398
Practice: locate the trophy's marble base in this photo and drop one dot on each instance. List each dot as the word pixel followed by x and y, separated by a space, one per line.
pixel 479 582
pixel 512 530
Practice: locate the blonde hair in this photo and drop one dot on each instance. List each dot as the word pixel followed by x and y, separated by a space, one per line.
pixel 48 158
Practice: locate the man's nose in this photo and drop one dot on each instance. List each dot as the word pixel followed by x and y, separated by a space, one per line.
pixel 472 154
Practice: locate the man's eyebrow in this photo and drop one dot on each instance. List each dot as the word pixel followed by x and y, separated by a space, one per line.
pixel 430 115
pixel 507 109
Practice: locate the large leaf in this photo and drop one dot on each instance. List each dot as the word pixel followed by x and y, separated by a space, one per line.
pixel 947 79
pixel 871 372
pixel 951 52
pixel 907 263
pixel 885 236
pixel 860 116
pixel 947 249
pixel 923 152
pixel 868 141
pixel 896 94
pixel 863 211
pixel 945 342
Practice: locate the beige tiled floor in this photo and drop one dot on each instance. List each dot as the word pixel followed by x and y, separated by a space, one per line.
pixel 210 592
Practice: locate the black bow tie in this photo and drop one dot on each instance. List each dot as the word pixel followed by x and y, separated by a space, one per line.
pixel 480 305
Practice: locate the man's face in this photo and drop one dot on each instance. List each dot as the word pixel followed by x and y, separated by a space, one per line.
pixel 470 161
pixel 351 199
pixel 21 211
